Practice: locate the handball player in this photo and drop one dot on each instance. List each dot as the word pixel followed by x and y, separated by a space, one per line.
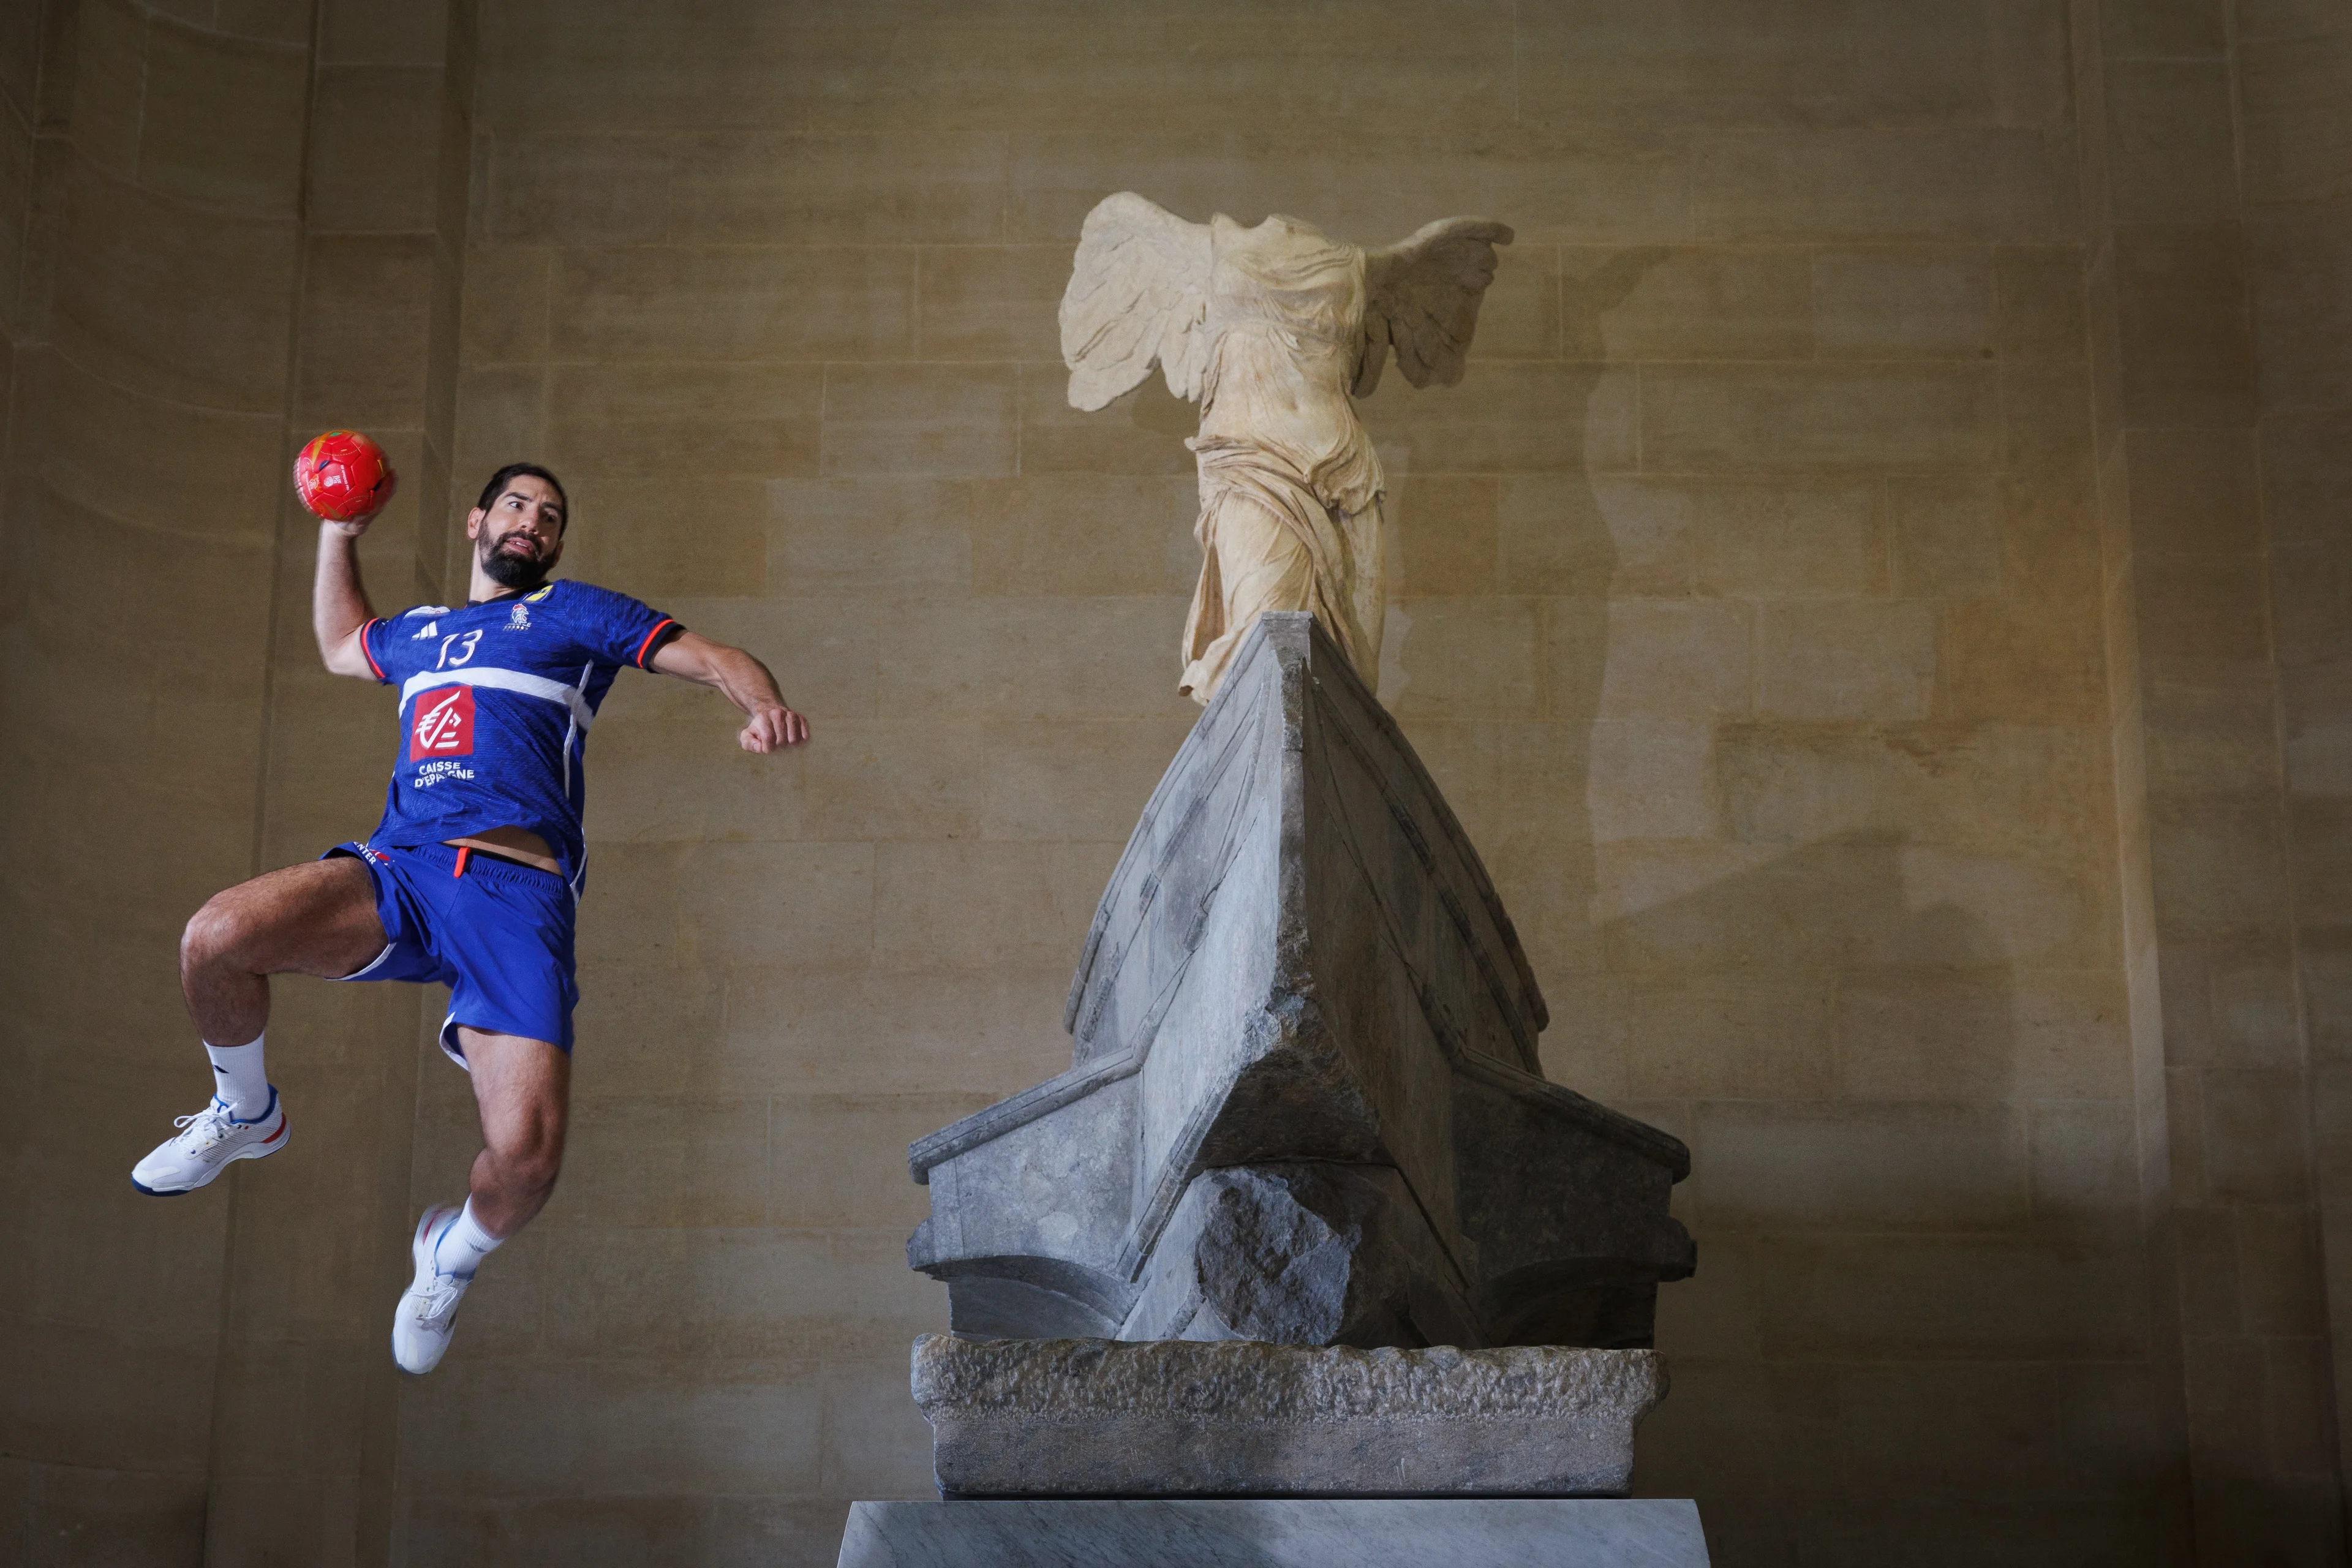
pixel 472 879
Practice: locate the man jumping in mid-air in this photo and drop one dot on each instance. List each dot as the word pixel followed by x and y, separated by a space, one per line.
pixel 471 878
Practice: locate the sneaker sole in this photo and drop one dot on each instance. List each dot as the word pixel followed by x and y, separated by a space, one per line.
pixel 278 1140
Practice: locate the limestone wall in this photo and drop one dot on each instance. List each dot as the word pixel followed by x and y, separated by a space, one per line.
pixel 305 1454
pixel 1752 605
pixel 2217 222
pixel 153 254
pixel 223 230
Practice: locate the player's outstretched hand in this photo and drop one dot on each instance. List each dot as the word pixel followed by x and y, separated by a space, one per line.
pixel 771 728
pixel 358 525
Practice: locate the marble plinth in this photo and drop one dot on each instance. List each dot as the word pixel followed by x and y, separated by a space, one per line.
pixel 1185 1419
pixel 1276 1533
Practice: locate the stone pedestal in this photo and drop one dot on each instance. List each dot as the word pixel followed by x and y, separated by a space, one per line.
pixel 1302 1261
pixel 1179 1418
pixel 1275 1533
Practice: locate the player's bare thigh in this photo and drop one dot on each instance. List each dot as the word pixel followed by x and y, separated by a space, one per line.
pixel 318 917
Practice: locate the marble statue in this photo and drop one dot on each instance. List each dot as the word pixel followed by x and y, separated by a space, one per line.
pixel 1272 330
pixel 1303 1262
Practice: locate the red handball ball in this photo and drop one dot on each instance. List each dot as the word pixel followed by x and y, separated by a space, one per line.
pixel 343 475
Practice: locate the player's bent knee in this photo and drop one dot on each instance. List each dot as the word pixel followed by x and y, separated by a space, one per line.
pixel 213 934
pixel 532 1165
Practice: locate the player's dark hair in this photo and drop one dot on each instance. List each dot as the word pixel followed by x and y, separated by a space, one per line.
pixel 497 486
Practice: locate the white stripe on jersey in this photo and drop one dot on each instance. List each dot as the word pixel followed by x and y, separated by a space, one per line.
pixel 572 733
pixel 505 681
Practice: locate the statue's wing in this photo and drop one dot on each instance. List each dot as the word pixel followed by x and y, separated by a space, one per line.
pixel 1421 297
pixel 1138 295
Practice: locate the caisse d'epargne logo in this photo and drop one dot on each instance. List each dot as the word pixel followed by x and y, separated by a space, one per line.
pixel 443 725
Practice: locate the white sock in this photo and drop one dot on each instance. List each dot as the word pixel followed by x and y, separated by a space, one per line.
pixel 463 1244
pixel 238 1077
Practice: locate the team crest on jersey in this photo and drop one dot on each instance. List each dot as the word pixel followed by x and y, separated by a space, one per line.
pixel 518 619
pixel 443 725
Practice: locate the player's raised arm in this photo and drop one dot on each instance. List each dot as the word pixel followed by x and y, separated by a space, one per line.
pixel 338 603
pixel 345 480
pixel 746 682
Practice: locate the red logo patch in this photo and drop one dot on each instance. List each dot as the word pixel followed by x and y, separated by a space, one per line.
pixel 444 725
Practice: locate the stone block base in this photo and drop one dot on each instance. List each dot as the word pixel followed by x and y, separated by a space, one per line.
pixel 1289 1532
pixel 1106 1418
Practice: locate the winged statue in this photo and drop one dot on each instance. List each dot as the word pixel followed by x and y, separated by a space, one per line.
pixel 1272 330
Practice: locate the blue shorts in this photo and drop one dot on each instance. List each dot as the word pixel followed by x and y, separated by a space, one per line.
pixel 497 933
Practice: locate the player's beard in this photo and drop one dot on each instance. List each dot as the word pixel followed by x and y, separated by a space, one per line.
pixel 512 571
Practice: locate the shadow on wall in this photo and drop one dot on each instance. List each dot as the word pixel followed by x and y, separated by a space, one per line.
pixel 1915 1308
pixel 1890 1322
pixel 1501 561
pixel 1918 1307
pixel 1576 631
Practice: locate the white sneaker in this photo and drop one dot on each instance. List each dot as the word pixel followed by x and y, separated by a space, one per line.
pixel 210 1141
pixel 427 1313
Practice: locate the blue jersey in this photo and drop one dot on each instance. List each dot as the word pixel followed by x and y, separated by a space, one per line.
pixel 495 703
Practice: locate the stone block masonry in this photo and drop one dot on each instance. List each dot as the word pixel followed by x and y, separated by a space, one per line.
pixel 1286 1534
